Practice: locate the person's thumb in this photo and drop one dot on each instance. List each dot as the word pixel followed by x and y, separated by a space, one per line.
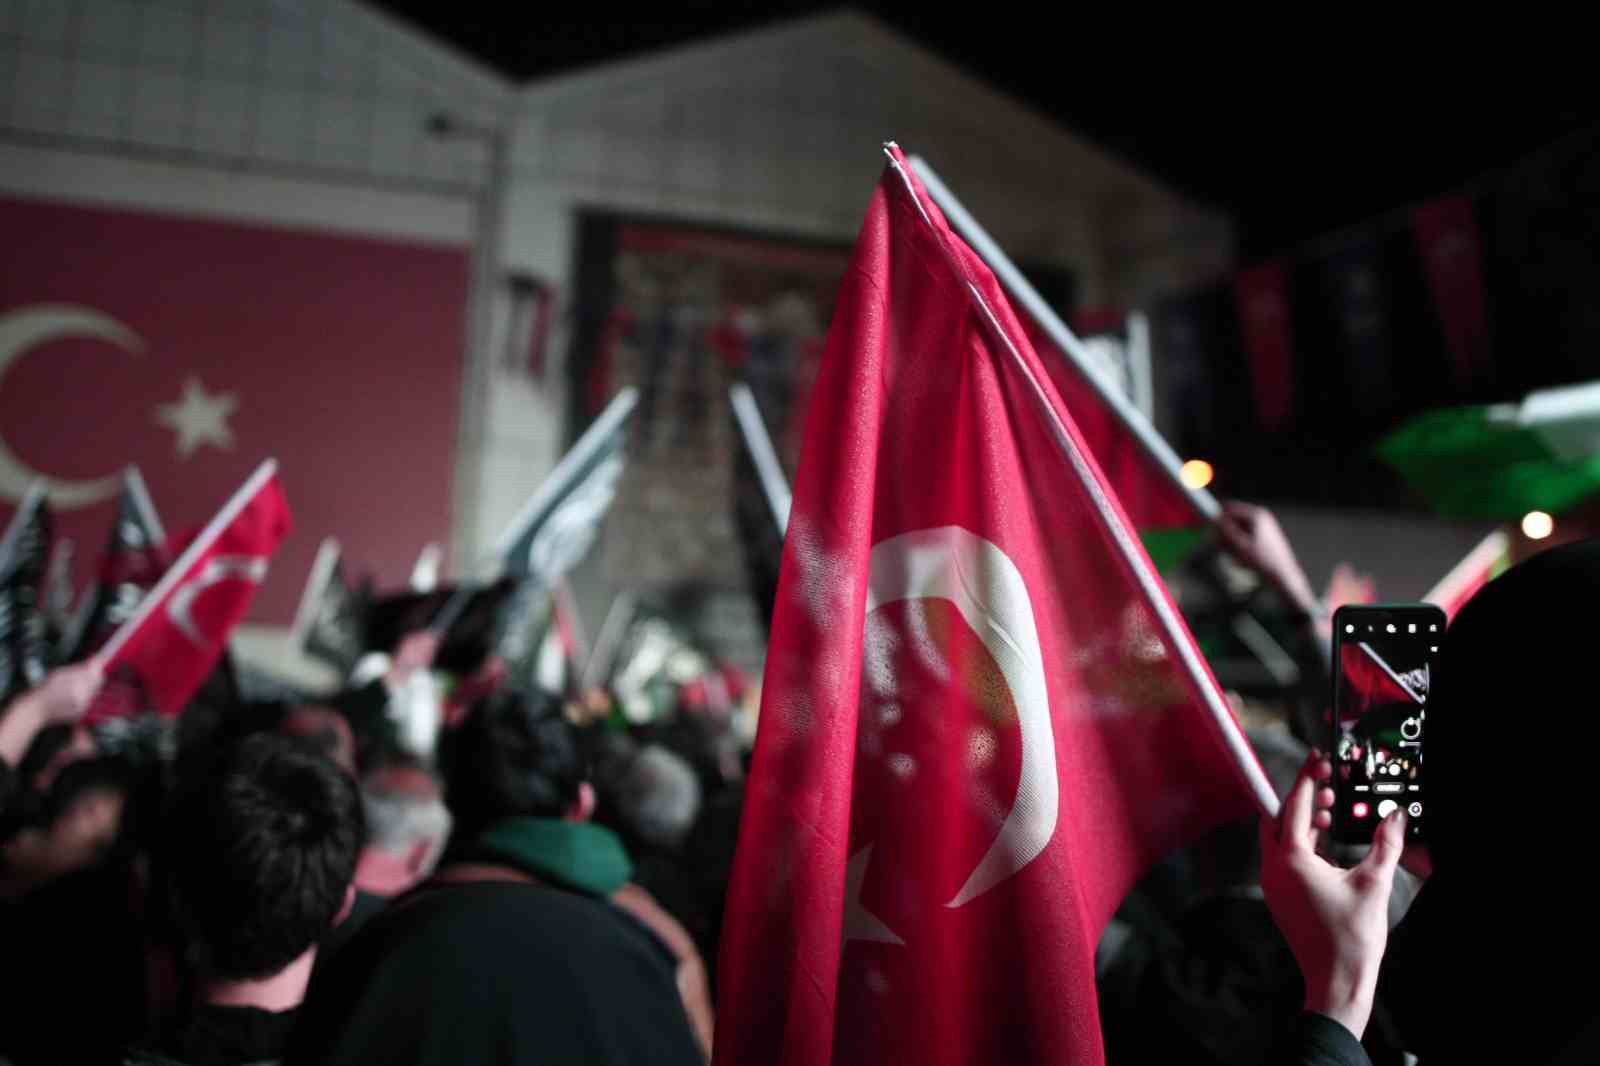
pixel 1387 846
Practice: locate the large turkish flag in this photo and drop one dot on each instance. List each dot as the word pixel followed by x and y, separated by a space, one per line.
pixel 196 349
pixel 981 716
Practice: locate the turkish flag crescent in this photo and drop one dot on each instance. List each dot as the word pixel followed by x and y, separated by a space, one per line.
pixel 982 717
pixel 181 628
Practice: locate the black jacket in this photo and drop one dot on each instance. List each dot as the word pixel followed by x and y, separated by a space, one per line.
pixel 496 972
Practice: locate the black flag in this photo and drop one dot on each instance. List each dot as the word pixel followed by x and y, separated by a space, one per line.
pixel 134 560
pixel 470 637
pixel 555 530
pixel 760 501
pixel 24 637
pixel 331 623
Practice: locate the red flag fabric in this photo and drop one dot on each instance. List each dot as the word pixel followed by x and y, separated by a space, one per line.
pixel 1149 494
pixel 975 730
pixel 1371 682
pixel 169 647
pixel 1263 297
pixel 1487 561
pixel 1447 238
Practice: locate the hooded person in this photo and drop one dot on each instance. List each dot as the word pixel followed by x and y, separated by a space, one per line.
pixel 528 943
pixel 1485 965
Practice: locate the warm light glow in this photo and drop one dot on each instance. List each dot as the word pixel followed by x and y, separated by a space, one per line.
pixel 1536 525
pixel 1197 473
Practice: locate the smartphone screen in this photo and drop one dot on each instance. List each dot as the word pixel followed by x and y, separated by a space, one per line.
pixel 1384 663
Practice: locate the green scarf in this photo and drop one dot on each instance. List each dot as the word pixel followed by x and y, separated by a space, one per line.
pixel 573 855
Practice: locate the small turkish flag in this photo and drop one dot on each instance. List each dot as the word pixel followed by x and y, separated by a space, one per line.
pixel 982 717
pixel 173 641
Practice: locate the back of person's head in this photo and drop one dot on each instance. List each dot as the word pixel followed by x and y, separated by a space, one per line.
pixel 324 729
pixel 515 756
pixel 405 811
pixel 1516 689
pixel 262 839
pixel 653 796
pixel 1509 743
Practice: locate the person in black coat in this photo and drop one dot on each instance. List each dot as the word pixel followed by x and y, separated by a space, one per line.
pixel 1486 965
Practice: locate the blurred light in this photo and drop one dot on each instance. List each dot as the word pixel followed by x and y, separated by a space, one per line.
pixel 1196 473
pixel 1359 810
pixel 1349 629
pixel 1536 525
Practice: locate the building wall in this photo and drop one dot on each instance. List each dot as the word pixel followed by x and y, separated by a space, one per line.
pixel 313 113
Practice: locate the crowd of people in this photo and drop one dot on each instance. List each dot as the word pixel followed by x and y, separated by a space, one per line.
pixel 530 879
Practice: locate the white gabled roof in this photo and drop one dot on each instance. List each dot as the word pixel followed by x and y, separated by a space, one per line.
pixel 887 74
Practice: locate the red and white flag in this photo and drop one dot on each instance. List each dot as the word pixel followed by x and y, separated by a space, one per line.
pixel 1484 563
pixel 171 643
pixel 982 717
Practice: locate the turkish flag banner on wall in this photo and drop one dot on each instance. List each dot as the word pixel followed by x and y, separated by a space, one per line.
pixel 1262 293
pixel 192 347
pixel 981 718
pixel 181 629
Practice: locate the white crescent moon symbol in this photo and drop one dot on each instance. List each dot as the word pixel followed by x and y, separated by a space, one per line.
pixel 950 563
pixel 24 329
pixel 251 568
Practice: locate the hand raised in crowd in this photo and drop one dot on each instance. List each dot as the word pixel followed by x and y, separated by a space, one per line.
pixel 415 652
pixel 62 697
pixel 67 692
pixel 1252 536
pixel 1335 920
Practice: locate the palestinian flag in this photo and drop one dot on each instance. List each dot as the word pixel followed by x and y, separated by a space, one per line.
pixel 1501 461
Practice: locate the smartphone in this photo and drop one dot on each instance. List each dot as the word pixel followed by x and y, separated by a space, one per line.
pixel 1384 661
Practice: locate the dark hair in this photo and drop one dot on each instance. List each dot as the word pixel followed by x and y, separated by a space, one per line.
pixel 262 842
pixel 514 756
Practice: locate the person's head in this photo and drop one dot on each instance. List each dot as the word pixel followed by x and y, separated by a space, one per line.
pixel 1514 688
pixel 69 813
pixel 516 756
pixel 80 834
pixel 262 838
pixel 653 796
pixel 1517 667
pixel 324 729
pixel 407 825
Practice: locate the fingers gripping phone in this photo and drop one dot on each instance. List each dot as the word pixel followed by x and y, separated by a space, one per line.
pixel 1384 660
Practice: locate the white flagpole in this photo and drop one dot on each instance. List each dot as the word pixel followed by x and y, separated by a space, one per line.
pixel 133 480
pixel 608 640
pixel 30 500
pixel 202 544
pixel 425 571
pixel 321 573
pixel 1479 559
pixel 765 457
pixel 1018 288
pixel 594 438
pixel 1177 641
pixel 567 603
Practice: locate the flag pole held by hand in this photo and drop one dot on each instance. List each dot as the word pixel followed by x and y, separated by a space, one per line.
pixel 175 573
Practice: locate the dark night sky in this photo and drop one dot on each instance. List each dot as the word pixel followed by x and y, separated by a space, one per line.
pixel 1291 145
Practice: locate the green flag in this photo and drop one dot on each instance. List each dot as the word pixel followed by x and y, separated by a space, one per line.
pixel 1501 461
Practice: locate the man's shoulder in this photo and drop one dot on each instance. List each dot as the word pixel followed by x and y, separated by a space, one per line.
pixel 504 913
